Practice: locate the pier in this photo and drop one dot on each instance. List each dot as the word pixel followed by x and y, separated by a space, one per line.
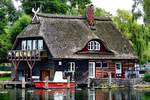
pixel 14 84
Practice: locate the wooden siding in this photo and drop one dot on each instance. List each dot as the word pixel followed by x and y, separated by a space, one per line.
pixel 112 68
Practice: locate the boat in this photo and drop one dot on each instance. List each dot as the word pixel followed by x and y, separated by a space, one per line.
pixel 58 82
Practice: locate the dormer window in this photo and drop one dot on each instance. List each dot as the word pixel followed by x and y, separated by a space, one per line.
pixel 93 45
pixel 32 44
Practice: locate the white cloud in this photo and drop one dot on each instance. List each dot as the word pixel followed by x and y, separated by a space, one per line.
pixel 112 5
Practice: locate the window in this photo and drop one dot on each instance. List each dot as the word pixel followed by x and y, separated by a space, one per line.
pixel 91 69
pixel 60 63
pixel 34 44
pixel 40 44
pixel 23 45
pixel 93 45
pixel 71 67
pixel 98 64
pixel 118 68
pixel 105 65
pixel 29 44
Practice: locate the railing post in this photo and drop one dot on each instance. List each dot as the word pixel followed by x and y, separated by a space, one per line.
pixel 31 74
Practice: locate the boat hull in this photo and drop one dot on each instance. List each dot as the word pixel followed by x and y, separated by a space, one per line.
pixel 54 85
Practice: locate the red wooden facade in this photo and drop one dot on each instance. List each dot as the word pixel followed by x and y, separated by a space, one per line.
pixel 103 72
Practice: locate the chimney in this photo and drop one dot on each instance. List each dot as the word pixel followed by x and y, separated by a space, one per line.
pixel 89 14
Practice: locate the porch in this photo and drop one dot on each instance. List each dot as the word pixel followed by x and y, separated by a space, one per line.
pixel 28 56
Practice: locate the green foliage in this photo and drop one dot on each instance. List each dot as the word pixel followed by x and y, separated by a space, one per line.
pixel 136 9
pixel 146 6
pixel 18 26
pixel 137 34
pixel 146 96
pixel 3 20
pixel 11 12
pixel 147 77
pixel 4 79
pixel 46 6
pixel 5 45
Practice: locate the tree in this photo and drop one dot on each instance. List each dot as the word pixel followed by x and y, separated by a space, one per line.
pixel 3 20
pixel 56 6
pixel 46 6
pixel 136 9
pixel 146 6
pixel 11 12
pixel 18 26
pixel 137 34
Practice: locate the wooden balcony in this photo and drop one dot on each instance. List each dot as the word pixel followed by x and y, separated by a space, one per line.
pixel 24 55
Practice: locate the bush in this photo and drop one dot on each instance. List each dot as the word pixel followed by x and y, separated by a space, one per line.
pixel 147 77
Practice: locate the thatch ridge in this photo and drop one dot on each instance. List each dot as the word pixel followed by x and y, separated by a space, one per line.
pixel 72 17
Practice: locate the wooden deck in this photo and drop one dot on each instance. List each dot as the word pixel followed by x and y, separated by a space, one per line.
pixel 13 84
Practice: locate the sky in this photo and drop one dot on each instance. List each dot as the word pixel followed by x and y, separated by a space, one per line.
pixel 112 5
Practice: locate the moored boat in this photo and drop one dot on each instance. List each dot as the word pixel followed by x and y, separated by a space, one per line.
pixel 58 82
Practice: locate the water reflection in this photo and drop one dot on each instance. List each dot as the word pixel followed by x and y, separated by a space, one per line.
pixel 74 94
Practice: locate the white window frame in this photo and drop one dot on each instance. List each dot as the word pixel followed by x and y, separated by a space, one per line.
pixel 29 44
pixel 100 66
pixel 93 70
pixel 120 72
pixel 40 44
pixel 93 45
pixel 23 45
pixel 107 65
pixel 71 67
pixel 34 45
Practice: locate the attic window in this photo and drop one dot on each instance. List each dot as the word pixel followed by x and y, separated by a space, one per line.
pixel 32 45
pixel 93 45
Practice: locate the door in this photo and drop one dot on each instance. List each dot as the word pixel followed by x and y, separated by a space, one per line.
pixel 118 68
pixel 45 73
pixel 91 69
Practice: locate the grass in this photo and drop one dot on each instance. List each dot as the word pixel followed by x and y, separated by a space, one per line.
pixel 4 78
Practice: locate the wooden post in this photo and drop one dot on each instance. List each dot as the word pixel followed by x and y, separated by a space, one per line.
pixel 16 64
pixel 110 95
pixel 68 82
pixel 46 83
pixel 31 65
pixel 23 82
pixel 109 80
pixel 23 94
pixel 31 74
pixel 88 82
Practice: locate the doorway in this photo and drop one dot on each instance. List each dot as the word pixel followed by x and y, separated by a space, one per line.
pixel 45 74
pixel 91 69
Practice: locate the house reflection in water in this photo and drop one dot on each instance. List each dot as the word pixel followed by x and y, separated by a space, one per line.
pixel 75 94
pixel 55 94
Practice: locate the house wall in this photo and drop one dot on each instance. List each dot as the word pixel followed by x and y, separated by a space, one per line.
pixel 39 66
pixel 81 67
pixel 126 65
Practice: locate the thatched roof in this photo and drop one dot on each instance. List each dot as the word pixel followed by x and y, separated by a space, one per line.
pixel 65 35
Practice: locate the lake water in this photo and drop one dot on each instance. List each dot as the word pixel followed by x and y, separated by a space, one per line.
pixel 74 94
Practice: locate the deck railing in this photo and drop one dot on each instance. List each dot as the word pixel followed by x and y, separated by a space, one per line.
pixel 25 54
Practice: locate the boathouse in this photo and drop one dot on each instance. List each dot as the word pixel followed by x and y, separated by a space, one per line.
pixel 80 46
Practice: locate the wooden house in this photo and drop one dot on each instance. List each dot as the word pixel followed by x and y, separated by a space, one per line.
pixel 81 46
